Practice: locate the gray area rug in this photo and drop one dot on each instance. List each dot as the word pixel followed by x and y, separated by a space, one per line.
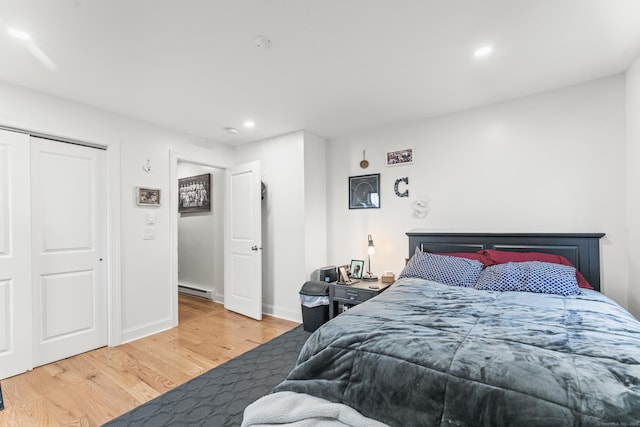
pixel 218 397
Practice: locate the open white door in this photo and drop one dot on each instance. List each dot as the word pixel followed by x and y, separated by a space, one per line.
pixel 15 270
pixel 68 249
pixel 243 236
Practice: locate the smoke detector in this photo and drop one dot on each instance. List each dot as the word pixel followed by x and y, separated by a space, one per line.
pixel 262 42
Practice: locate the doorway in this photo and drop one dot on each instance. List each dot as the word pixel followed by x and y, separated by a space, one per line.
pixel 221 209
pixel 206 160
pixel 200 230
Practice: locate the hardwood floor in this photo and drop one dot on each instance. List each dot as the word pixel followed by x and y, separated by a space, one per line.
pixel 95 387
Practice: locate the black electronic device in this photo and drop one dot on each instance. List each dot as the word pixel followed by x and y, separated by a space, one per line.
pixel 327 274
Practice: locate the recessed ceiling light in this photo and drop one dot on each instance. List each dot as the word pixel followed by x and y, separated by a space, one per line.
pixel 19 34
pixel 231 130
pixel 483 51
pixel 249 124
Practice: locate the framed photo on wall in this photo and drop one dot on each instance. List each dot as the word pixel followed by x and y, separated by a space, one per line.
pixel 364 191
pixel 400 157
pixel 146 196
pixel 194 193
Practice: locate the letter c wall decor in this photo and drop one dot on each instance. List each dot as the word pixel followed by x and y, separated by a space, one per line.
pixel 395 187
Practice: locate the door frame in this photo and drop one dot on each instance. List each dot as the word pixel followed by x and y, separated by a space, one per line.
pixel 114 282
pixel 203 158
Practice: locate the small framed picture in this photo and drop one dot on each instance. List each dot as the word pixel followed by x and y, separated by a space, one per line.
pixel 356 269
pixel 147 196
pixel 364 191
pixel 400 157
pixel 344 275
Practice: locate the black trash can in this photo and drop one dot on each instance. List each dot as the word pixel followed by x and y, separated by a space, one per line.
pixel 314 298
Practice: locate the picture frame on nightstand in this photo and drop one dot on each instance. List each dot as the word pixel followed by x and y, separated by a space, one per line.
pixel 344 275
pixel 356 268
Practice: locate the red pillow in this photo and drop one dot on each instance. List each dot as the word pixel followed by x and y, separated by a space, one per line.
pixel 471 255
pixel 502 257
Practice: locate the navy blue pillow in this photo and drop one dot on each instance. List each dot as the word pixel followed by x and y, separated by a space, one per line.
pixel 530 276
pixel 449 270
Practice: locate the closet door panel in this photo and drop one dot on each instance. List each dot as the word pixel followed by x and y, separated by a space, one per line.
pixel 69 249
pixel 15 255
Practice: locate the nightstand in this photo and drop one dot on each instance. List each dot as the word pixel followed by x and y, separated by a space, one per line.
pixel 352 294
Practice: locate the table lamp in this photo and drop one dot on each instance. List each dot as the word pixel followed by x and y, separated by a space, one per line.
pixel 371 250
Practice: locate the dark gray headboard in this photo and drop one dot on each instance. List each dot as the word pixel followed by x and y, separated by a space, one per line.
pixel 582 249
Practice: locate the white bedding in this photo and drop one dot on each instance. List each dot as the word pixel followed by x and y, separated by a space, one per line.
pixel 302 410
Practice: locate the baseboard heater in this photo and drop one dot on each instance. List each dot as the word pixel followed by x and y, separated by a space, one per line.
pixel 190 290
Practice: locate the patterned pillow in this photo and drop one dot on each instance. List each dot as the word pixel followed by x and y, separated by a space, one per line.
pixel 443 269
pixel 530 276
pixel 501 257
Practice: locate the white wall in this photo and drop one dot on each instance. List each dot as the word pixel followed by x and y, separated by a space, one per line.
pixel 200 237
pixel 315 200
pixel 287 216
pixel 142 271
pixel 553 162
pixel 633 184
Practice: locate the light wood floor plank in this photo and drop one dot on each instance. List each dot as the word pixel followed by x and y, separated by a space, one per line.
pixel 95 387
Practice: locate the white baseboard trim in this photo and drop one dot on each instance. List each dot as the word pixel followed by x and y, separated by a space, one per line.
pixel 218 297
pixel 135 333
pixel 282 313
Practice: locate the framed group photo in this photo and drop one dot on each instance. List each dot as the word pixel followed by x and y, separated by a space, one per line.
pixel 364 191
pixel 194 193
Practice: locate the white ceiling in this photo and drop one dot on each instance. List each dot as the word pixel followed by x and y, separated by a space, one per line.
pixel 334 67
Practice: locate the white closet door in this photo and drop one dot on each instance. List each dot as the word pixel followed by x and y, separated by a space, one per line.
pixel 15 257
pixel 68 249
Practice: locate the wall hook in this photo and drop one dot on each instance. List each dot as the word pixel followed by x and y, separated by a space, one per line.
pixel 147 166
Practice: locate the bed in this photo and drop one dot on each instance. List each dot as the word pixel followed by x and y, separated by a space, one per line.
pixel 435 352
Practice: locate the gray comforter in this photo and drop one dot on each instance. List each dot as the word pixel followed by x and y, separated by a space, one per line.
pixel 425 354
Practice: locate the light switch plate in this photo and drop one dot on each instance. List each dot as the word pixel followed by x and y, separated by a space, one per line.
pixel 149 233
pixel 150 218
